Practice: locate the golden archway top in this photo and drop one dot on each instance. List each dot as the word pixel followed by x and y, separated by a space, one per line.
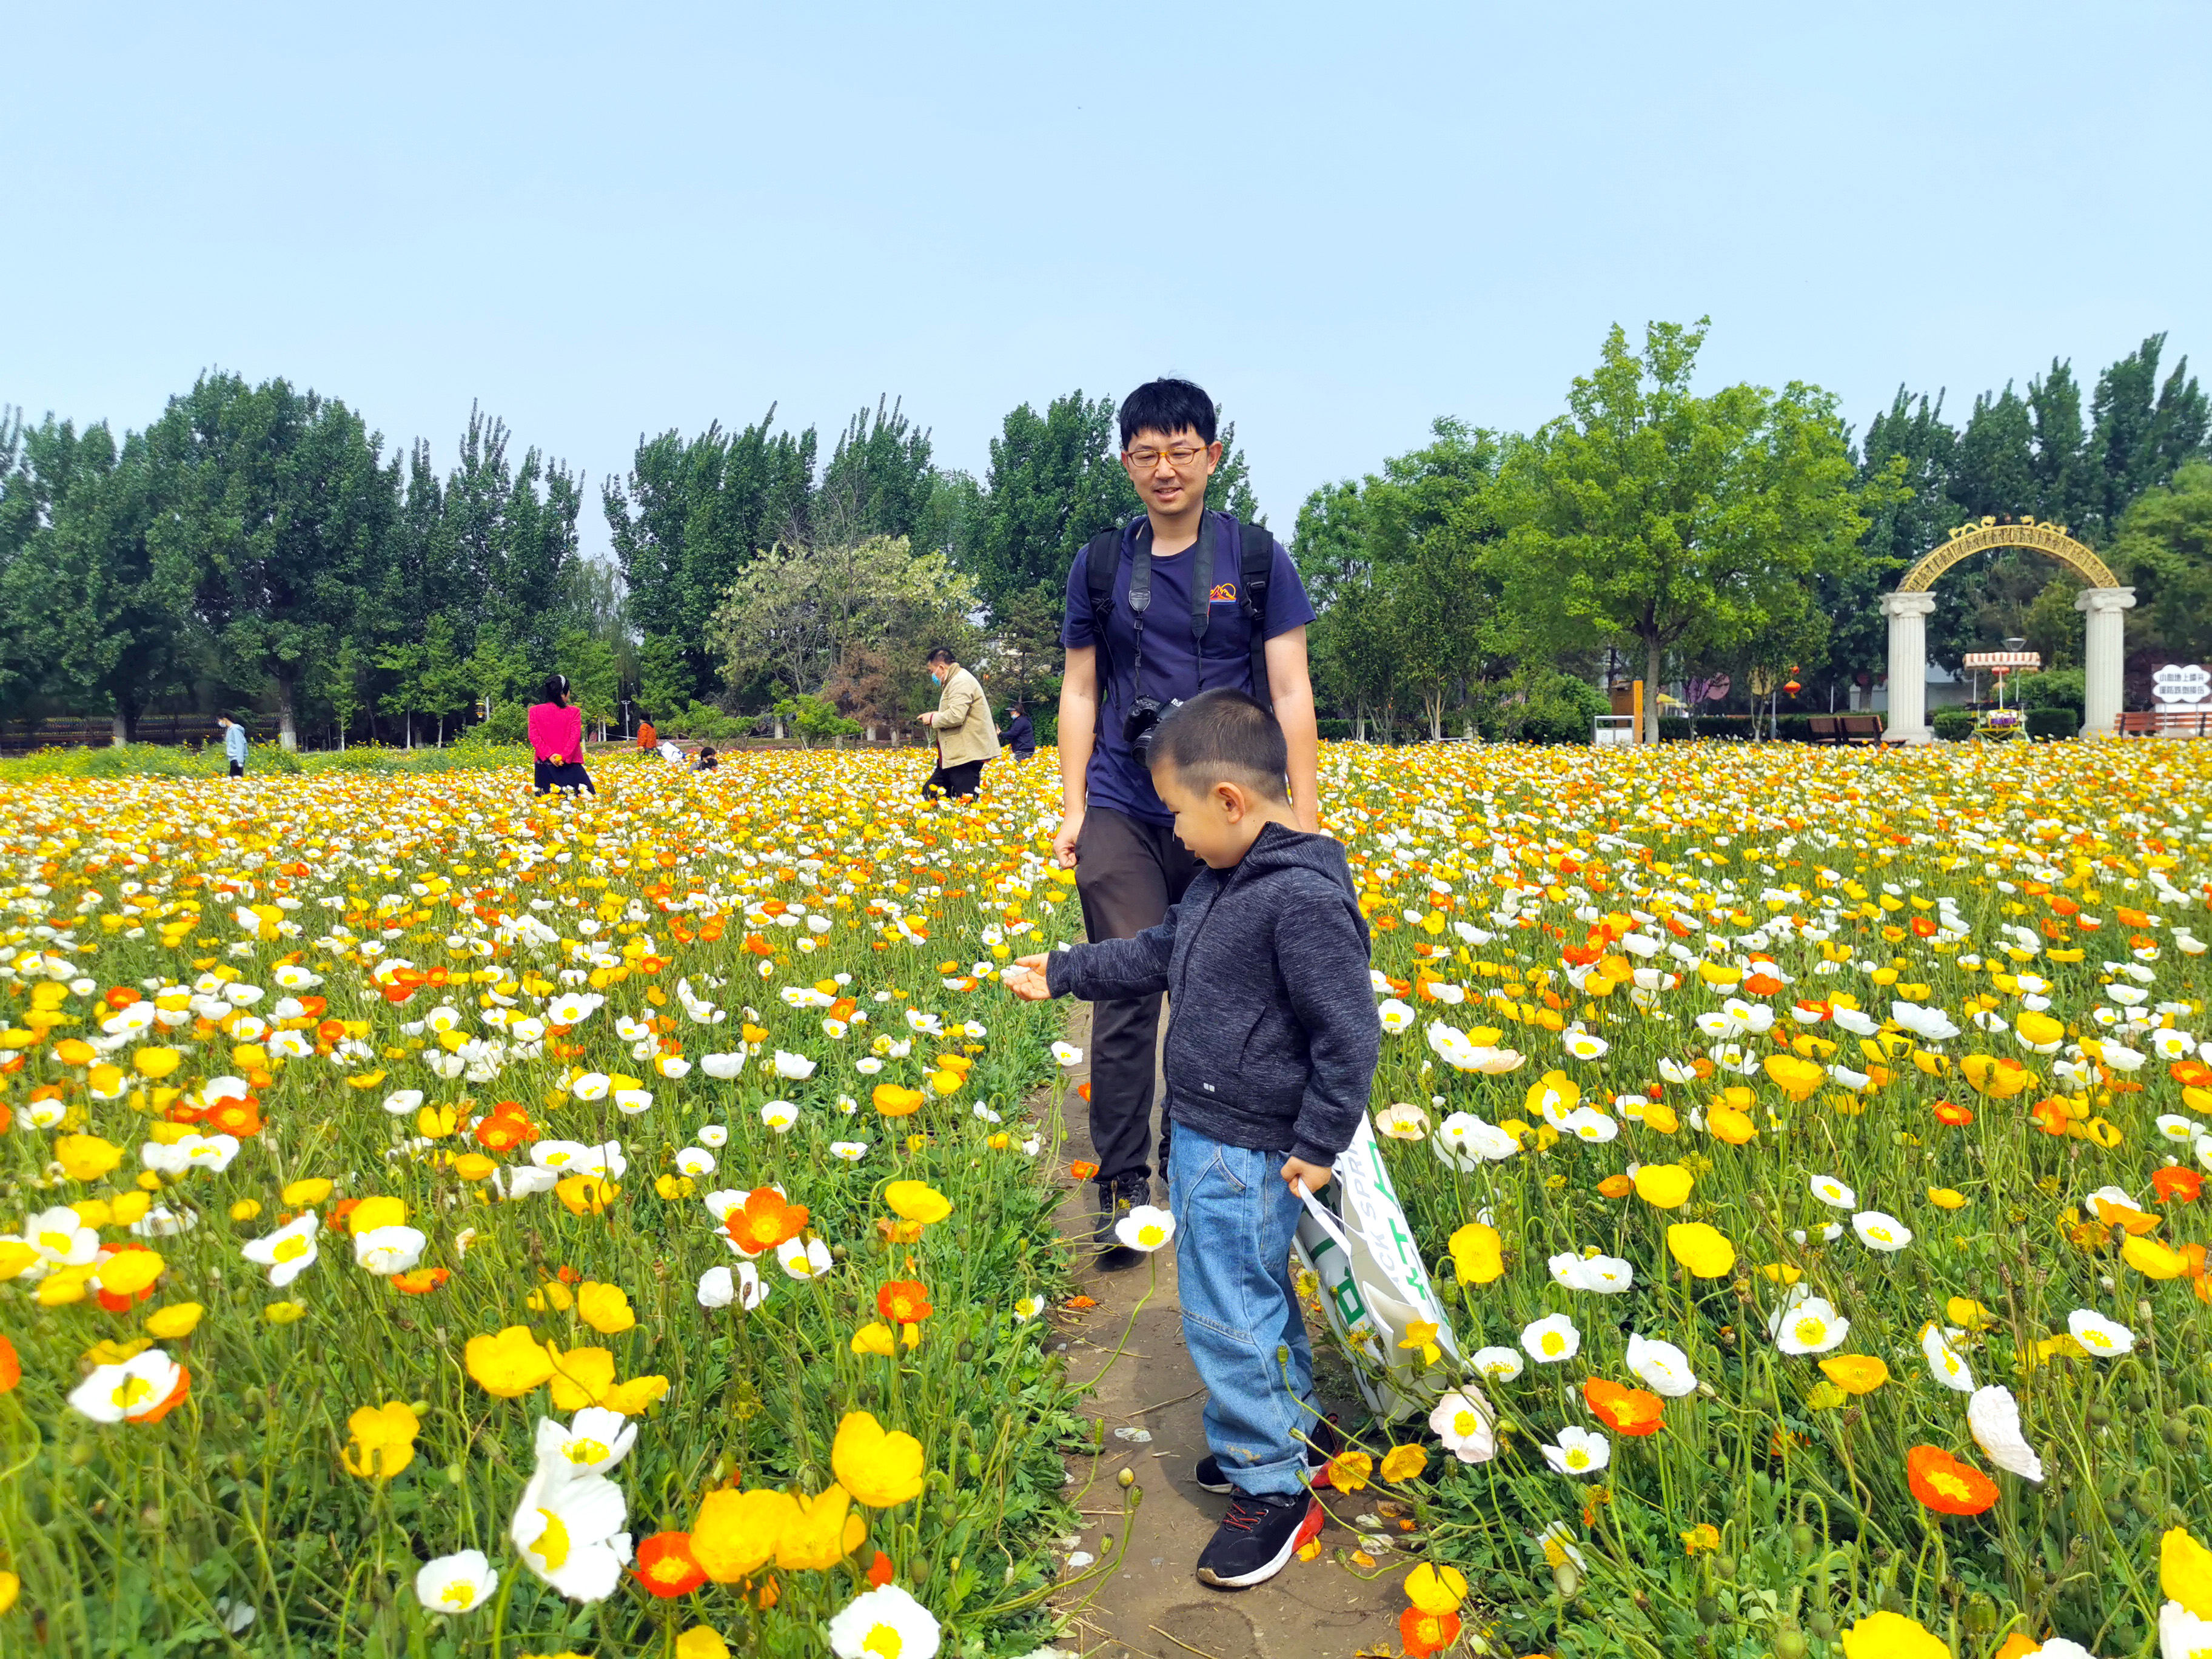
pixel 1969 539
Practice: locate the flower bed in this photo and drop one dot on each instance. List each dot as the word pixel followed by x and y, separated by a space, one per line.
pixel 448 1221
pixel 1811 1146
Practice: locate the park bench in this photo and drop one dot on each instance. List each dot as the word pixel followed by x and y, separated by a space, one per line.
pixel 2164 723
pixel 1859 728
pixel 1824 729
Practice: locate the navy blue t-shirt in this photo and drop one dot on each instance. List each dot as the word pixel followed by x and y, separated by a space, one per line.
pixel 1176 667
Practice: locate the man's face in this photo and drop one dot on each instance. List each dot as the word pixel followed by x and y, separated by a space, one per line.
pixel 938 670
pixel 1171 469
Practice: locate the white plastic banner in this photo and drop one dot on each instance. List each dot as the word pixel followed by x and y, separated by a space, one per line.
pixel 1373 1283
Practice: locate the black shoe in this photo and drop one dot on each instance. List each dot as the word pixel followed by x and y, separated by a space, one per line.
pixel 1258 1537
pixel 1325 1444
pixel 1117 1198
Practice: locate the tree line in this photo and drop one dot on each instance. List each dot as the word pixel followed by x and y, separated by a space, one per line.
pixel 257 546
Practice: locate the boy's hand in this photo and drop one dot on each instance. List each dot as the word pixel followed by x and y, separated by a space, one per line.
pixel 1315 1175
pixel 1025 979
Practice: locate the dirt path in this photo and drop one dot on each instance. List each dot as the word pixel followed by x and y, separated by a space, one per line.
pixel 1153 1604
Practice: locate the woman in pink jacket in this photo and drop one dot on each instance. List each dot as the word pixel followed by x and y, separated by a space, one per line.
pixel 556 735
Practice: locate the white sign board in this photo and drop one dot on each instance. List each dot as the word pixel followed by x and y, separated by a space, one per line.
pixel 2189 683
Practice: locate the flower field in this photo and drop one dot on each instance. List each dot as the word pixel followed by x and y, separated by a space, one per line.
pixel 1810 1147
pixel 446 1222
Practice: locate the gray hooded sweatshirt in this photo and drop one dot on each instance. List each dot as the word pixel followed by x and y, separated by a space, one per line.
pixel 1271 1030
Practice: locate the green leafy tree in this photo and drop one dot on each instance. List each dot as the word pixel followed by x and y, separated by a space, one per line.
pixel 2165 549
pixel 594 676
pixel 664 676
pixel 1651 513
pixel 402 663
pixel 101 612
pixel 283 504
pixel 445 674
pixel 341 688
pixel 689 518
pixel 880 480
pixel 2143 432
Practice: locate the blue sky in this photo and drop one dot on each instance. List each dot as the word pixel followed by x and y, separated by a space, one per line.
pixel 1343 221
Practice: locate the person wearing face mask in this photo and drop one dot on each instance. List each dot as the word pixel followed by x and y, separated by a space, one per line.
pixel 966 735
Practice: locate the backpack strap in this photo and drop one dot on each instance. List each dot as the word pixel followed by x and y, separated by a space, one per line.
pixel 1257 559
pixel 1102 559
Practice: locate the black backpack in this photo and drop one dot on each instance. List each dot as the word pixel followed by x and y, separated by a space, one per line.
pixel 1103 561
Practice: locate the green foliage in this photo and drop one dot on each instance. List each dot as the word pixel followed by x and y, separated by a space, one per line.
pixel 2062 688
pixel 2165 549
pixel 817 717
pixel 702 721
pixel 2052 722
pixel 1953 725
pixel 664 684
pixel 1675 520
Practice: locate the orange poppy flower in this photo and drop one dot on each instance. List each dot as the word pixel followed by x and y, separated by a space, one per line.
pixel 2049 1115
pixel 1425 1634
pixel 1947 1485
pixel 11 1368
pixel 765 1221
pixel 1083 1168
pixel 421 1281
pixel 904 1302
pixel 241 1118
pixel 1616 1186
pixel 665 1566
pixel 2193 1073
pixel 1625 1410
pixel 2177 1185
pixel 1951 1112
pixel 502 1132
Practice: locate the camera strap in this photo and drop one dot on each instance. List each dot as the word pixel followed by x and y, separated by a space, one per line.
pixel 1141 601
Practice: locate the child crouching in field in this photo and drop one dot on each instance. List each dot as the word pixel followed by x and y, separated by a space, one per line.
pixel 1271 1049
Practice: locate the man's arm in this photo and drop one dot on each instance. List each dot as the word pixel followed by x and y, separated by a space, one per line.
pixel 1290 685
pixel 1079 723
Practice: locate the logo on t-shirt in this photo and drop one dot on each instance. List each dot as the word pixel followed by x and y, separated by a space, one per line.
pixel 1224 593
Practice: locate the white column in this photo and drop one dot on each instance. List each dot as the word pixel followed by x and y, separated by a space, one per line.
pixel 1908 615
pixel 2104 654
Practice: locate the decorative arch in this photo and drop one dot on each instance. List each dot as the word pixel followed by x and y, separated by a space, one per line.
pixel 1969 539
pixel 2103 602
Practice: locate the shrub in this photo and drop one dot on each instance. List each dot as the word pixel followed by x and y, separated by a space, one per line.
pixel 2053 722
pixel 510 723
pixel 2059 688
pixel 1953 725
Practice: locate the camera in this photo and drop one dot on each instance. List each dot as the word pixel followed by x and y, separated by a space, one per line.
pixel 1142 720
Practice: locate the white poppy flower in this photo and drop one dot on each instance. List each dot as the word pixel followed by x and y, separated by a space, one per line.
pixel 1944 1364
pixel 594 1440
pixel 1993 1418
pixel 1879 1231
pixel 1661 1367
pixel 1462 1420
pixel 1146 1227
pixel 2103 1339
pixel 1579 1451
pixel 1807 1325
pixel 1501 1364
pixel 288 1252
pixel 568 1529
pixel 459 1582
pixel 1551 1340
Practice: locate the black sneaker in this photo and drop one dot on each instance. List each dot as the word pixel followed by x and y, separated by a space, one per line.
pixel 1258 1537
pixel 1324 1445
pixel 1117 1199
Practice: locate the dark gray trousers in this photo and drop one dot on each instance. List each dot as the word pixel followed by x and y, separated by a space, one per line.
pixel 1127 874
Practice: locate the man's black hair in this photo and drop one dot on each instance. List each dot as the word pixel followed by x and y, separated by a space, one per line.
pixel 1167 407
pixel 943 653
pixel 1223 736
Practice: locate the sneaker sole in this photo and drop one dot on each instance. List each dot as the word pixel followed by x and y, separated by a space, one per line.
pixel 1308 1529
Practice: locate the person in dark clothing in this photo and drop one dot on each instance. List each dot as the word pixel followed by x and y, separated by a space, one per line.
pixel 1271 1049
pixel 707 761
pixel 1114 830
pixel 1019 736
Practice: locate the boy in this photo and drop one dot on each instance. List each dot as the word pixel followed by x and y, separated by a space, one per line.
pixel 1271 1049
pixel 234 744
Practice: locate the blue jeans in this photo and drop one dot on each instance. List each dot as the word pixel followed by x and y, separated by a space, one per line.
pixel 1234 1223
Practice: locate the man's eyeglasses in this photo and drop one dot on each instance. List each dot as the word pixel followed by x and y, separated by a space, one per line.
pixel 1180 457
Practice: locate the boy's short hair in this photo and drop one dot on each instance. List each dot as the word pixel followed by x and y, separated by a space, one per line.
pixel 1223 736
pixel 1167 407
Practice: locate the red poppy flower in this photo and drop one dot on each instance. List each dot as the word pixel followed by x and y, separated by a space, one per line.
pixel 1947 1485
pixel 1951 1112
pixel 904 1302
pixel 665 1566
pixel 1925 926
pixel 1625 1410
pixel 880 1570
pixel 1425 1634
pixel 2175 1185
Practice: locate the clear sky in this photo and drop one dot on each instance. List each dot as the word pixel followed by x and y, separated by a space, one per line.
pixel 1343 221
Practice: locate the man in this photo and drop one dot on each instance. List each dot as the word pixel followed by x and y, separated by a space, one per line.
pixel 234 744
pixel 1019 736
pixel 966 735
pixel 1242 625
